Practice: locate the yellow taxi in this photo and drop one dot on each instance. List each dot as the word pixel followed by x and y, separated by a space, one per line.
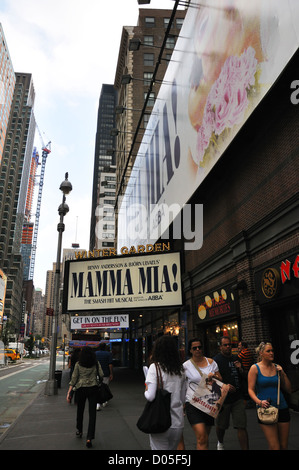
pixel 12 354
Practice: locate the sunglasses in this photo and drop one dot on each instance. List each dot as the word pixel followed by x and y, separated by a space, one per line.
pixel 196 347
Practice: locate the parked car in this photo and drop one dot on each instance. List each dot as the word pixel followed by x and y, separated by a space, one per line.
pixel 12 354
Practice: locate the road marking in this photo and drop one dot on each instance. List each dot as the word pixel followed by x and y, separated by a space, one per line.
pixel 18 371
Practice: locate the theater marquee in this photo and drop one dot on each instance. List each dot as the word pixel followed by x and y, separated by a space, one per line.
pixel 125 282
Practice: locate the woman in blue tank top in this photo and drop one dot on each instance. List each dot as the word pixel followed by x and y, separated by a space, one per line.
pixel 262 388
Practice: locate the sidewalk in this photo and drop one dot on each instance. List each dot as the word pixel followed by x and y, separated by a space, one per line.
pixel 48 423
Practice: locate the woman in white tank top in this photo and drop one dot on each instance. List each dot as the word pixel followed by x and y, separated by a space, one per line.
pixel 201 422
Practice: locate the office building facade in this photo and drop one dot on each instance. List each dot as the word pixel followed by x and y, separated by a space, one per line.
pixel 14 179
pixel 105 211
pixel 104 146
pixel 7 85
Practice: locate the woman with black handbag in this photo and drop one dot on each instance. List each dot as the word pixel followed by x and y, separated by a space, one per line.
pixel 167 368
pixel 264 380
pixel 85 379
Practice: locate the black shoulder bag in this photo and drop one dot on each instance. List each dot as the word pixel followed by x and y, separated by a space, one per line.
pixel 103 393
pixel 156 416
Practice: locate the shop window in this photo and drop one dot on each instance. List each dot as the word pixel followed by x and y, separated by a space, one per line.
pixel 286 339
pixel 215 332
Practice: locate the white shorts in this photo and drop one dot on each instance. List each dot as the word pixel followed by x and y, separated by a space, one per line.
pixel 168 440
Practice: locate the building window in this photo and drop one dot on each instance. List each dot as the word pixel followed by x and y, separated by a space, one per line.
pixel 170 42
pixel 107 244
pixel 148 40
pixel 107 235
pixel 151 99
pixel 148 59
pixel 149 21
pixel 146 118
pixel 179 22
pixel 166 22
pixel 147 76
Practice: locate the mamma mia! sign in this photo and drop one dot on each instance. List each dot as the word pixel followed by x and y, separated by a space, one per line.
pixel 118 283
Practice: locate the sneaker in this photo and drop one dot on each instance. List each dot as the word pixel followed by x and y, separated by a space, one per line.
pixel 220 446
pixel 104 404
pixel 98 407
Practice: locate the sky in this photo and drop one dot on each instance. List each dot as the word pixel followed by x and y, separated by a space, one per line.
pixel 71 48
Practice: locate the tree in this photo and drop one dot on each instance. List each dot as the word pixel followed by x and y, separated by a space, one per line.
pixel 30 344
pixel 7 331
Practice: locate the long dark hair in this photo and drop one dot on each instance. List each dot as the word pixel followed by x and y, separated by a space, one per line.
pixel 87 357
pixel 165 352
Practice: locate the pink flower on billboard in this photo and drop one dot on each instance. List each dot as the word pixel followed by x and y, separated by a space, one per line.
pixel 227 100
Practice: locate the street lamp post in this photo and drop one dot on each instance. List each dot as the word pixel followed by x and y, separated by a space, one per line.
pixel 51 385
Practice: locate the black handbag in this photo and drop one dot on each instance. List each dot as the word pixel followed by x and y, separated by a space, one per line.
pixel 156 417
pixel 103 393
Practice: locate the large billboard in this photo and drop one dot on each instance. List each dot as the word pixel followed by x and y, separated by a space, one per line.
pixel 3 281
pixel 144 281
pixel 228 56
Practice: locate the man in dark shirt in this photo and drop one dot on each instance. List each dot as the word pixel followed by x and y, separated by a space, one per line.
pixel 234 403
pixel 105 359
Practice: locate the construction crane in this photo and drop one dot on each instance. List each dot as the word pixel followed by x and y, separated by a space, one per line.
pixel 46 150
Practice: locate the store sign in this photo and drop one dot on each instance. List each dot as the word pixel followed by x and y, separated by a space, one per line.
pixel 278 281
pixel 289 269
pixel 99 321
pixel 125 250
pixel 123 282
pixel 270 283
pixel 217 304
pixel 81 344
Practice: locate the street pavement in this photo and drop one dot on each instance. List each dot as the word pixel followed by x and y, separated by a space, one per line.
pixel 48 423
